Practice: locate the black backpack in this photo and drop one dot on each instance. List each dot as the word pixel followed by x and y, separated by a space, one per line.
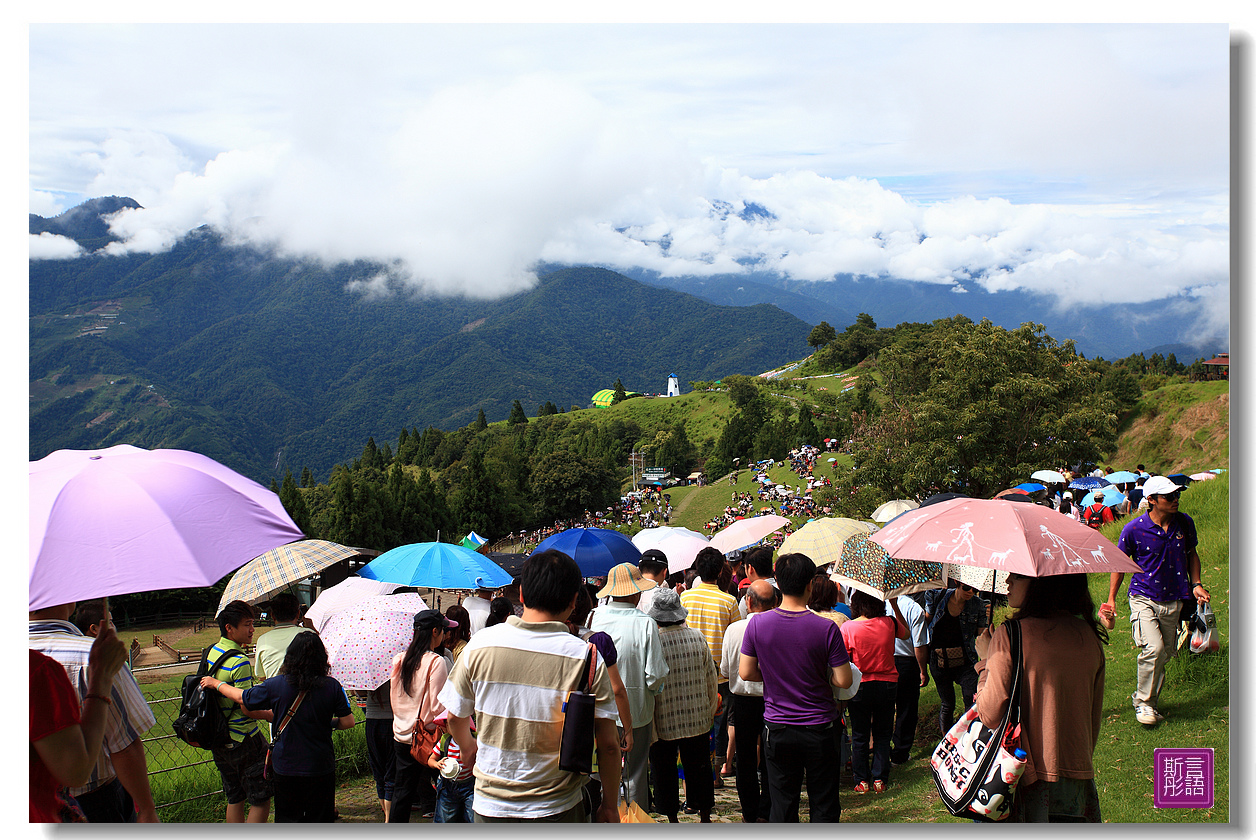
pixel 1094 515
pixel 201 722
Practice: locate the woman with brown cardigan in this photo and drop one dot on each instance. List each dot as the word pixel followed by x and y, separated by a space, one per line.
pixel 1061 695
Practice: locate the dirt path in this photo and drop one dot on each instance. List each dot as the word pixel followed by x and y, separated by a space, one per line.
pixel 357 803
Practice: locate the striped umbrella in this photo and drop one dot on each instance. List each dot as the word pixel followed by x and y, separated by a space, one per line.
pixel 869 568
pixel 271 572
pixel 823 539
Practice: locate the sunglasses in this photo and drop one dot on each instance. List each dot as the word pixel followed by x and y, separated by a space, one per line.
pixel 967 588
pixel 1170 497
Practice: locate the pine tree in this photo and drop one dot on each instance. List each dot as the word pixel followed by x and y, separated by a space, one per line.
pixel 517 417
pixel 481 422
pixel 620 394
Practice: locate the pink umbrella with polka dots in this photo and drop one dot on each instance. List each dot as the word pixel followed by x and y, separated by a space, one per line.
pixel 362 641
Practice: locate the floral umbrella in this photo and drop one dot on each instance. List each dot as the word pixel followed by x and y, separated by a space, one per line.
pixel 984 580
pixel 869 568
pixel 342 596
pixel 362 641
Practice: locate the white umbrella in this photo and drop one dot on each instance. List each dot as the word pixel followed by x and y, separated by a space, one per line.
pixel 681 549
pixel 746 532
pixel 1048 477
pixel 648 538
pixel 893 508
pixel 342 596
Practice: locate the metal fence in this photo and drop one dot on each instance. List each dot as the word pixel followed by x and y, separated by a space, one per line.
pixel 180 773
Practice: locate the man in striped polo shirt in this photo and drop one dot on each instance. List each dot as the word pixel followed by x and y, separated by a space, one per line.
pixel 241 765
pixel 514 677
pixel 118 790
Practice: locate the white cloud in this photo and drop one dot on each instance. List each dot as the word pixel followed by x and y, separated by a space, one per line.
pixel 45 204
pixel 1085 163
pixel 50 246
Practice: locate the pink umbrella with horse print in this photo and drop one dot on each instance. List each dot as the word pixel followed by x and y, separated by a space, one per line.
pixel 1031 540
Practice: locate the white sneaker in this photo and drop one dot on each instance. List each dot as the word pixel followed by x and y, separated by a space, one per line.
pixel 1146 715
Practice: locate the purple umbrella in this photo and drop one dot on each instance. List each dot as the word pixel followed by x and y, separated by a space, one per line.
pixel 124 519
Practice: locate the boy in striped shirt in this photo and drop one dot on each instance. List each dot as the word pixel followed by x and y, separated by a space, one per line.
pixel 240 765
pixel 455 783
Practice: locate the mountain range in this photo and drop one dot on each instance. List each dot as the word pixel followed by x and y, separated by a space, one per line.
pixel 269 363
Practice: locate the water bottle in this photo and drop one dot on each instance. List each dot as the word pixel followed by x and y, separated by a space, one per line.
pixel 1019 754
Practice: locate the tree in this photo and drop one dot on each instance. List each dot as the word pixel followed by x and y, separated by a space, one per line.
pixel 478 500
pixel 975 408
pixel 294 503
pixel 517 417
pixel 821 335
pixel 481 422
pixel 566 485
pixel 620 395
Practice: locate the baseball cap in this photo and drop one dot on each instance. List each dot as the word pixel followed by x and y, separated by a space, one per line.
pixel 1158 485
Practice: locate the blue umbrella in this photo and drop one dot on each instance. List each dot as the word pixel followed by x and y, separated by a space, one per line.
pixel 1111 498
pixel 1031 487
pixel 1122 477
pixel 595 550
pixel 1088 483
pixel 436 565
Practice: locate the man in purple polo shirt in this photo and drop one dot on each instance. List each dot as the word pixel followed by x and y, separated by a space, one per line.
pixel 798 656
pixel 1163 543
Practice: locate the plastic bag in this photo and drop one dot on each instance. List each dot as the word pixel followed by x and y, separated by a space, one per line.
pixel 1205 637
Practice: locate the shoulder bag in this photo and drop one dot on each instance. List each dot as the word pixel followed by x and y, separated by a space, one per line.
pixel 976 768
pixel 423 741
pixel 269 769
pixel 575 755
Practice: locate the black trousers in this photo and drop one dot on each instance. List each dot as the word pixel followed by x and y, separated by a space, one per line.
pixel 109 803
pixel 695 757
pixel 752 771
pixel 305 799
pixel 945 680
pixel 906 708
pixel 795 752
pixel 410 784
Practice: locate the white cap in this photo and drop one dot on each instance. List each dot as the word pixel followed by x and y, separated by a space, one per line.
pixel 1158 485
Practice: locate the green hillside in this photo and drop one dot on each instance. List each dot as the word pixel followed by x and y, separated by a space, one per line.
pixel 269 364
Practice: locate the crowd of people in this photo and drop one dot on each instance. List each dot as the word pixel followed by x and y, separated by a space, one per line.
pixel 761 671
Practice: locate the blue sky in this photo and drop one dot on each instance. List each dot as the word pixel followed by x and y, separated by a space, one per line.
pixel 1056 156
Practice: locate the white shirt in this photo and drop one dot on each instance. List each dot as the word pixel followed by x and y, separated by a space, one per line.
pixel 477 609
pixel 731 661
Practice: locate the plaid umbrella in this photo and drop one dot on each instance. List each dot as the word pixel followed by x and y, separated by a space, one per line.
pixel 271 572
pixel 822 539
pixel 869 568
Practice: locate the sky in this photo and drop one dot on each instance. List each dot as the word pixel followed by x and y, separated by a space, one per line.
pixel 1088 163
